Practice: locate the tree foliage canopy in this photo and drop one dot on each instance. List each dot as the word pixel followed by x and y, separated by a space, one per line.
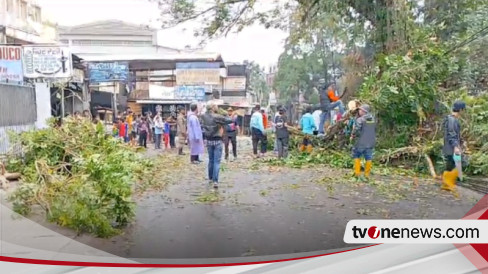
pixel 407 58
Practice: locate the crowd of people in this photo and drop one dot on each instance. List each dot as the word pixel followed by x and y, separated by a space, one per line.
pixel 359 130
pixel 141 129
pixel 216 130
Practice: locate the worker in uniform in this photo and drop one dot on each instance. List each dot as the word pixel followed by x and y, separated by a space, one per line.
pixel 364 138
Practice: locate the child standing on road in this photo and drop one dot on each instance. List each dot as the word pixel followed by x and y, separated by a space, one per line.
pixel 143 130
pixel 167 129
pixel 115 129
pixel 123 130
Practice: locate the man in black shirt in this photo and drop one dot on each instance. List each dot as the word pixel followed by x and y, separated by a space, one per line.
pixel 230 135
pixel 452 146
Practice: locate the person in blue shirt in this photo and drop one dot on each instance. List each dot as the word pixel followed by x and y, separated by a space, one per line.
pixel 258 133
pixel 307 125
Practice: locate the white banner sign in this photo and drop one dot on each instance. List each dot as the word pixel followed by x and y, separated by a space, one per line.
pixel 161 92
pixel 47 62
pixel 235 83
pixel 78 76
pixel 197 77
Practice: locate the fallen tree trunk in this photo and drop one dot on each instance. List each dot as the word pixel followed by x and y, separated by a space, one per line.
pixel 397 153
pixel 8 176
pixel 431 166
pixel 12 176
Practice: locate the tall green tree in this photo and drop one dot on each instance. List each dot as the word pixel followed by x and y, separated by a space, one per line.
pixel 257 83
pixel 388 20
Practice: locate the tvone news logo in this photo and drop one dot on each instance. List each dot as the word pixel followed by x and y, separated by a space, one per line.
pixel 373 232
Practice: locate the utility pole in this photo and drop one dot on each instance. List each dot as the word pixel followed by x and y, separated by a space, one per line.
pixel 3 35
pixel 62 102
pixel 114 105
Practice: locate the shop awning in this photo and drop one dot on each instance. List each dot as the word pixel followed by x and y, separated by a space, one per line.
pixel 144 62
pixel 241 105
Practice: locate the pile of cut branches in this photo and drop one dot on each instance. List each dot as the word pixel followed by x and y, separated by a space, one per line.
pixel 81 177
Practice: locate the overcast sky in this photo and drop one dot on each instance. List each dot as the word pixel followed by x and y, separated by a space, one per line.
pixel 254 43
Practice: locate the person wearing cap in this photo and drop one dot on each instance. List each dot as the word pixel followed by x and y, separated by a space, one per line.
pixel 352 115
pixel 452 146
pixel 364 134
pixel 181 129
pixel 282 134
pixel 230 135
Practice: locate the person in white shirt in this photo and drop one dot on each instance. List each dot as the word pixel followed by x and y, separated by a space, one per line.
pixel 316 116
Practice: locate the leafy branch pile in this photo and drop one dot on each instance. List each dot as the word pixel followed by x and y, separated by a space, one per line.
pixel 411 95
pixel 476 135
pixel 81 177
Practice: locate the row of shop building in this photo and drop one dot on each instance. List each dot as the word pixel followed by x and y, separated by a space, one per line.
pixel 144 83
pixel 106 66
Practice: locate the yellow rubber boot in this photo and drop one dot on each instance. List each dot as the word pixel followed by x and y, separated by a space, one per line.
pixel 445 180
pixel 455 174
pixel 357 167
pixel 302 148
pixel 449 180
pixel 309 149
pixel 367 168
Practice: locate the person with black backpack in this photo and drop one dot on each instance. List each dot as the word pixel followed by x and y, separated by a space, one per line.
pixel 282 134
pixel 213 127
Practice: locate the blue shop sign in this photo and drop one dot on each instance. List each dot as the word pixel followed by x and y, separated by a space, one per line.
pixel 108 72
pixel 194 93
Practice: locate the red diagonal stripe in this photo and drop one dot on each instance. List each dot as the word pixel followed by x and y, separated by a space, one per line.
pixel 482 204
pixel 482 249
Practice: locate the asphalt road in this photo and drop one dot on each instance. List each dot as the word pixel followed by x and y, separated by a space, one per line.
pixel 261 210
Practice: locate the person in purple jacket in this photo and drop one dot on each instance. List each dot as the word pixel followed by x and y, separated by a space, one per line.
pixel 195 135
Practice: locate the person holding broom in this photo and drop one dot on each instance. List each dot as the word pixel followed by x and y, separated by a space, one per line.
pixel 364 135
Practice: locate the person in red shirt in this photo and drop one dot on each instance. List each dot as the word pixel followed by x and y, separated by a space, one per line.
pixel 123 129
